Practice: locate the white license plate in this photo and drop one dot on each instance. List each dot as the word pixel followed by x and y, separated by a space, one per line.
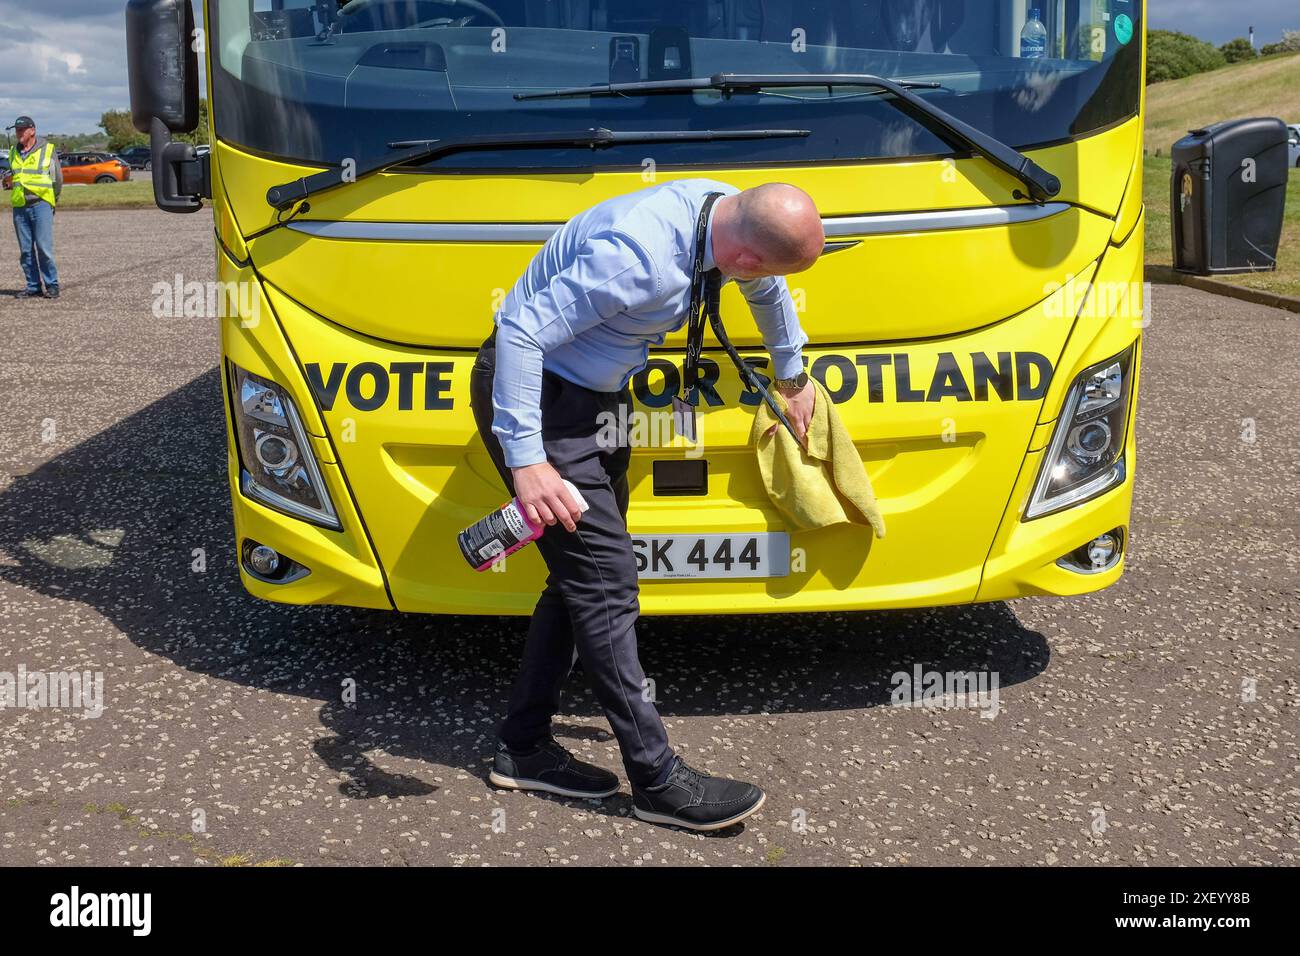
pixel 765 555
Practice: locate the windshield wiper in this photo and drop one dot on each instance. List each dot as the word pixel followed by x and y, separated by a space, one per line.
pixel 1040 184
pixel 726 83
pixel 424 150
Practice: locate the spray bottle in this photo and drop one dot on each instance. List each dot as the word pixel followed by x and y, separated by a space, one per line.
pixel 504 531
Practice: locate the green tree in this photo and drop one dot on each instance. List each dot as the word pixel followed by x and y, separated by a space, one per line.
pixel 1290 43
pixel 121 134
pixel 1172 55
pixel 1238 50
pixel 200 135
pixel 70 141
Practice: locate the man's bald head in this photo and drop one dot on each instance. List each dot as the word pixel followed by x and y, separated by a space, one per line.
pixel 773 229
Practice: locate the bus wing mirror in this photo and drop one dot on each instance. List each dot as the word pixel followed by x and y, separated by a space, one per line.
pixel 163 68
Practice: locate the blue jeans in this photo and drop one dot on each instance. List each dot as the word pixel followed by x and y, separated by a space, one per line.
pixel 34 224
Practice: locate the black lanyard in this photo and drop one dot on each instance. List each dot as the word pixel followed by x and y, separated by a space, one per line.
pixel 700 278
pixel 706 293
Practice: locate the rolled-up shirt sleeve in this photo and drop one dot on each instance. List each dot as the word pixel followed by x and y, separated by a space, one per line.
pixel 774 314
pixel 611 274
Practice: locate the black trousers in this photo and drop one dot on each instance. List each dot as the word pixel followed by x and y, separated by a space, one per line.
pixel 591 597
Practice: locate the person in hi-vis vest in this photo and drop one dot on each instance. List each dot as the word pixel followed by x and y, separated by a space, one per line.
pixel 36 179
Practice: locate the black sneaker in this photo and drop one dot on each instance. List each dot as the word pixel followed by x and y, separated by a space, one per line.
pixel 52 292
pixel 692 799
pixel 29 294
pixel 551 768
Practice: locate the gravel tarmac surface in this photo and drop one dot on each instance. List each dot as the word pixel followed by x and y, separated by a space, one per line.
pixel 1151 723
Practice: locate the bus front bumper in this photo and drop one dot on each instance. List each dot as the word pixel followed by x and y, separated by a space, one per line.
pixel 393 438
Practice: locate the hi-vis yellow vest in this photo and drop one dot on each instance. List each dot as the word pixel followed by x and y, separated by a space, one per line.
pixel 33 174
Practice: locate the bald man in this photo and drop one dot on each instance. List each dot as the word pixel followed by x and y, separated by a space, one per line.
pixel 579 323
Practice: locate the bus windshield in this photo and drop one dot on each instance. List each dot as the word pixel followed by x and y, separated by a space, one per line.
pixel 324 81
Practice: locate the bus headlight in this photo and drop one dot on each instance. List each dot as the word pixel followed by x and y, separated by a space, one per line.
pixel 277 465
pixel 1086 456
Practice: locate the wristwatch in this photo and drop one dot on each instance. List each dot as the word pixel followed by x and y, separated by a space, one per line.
pixel 799 381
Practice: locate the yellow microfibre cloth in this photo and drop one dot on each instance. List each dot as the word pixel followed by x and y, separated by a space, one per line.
pixel 822 486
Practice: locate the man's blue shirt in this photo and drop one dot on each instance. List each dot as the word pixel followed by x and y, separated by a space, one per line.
pixel 611 283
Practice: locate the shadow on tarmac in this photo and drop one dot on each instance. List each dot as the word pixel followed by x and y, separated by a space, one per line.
pixel 114 523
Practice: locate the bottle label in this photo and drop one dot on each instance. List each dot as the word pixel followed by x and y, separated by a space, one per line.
pixel 504 531
pixel 499 533
pixel 515 521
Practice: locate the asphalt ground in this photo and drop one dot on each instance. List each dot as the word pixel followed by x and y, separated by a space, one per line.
pixel 1151 723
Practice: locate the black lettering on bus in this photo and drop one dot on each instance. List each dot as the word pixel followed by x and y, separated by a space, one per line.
pixel 948 381
pixel 903 390
pixel 1026 362
pixel 707 382
pixel 848 384
pixel 985 375
pixel 405 372
pixel 380 394
pixel 754 398
pixel 641 384
pixel 435 385
pixel 326 389
pixel 875 365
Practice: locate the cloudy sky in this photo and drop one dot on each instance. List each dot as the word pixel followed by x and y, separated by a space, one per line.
pixel 64 61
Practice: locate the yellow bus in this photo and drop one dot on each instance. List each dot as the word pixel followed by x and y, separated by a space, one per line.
pixel 381 171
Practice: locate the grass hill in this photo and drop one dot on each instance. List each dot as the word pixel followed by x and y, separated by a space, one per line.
pixel 1267 87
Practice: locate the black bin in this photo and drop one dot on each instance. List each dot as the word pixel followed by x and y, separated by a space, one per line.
pixel 1228 192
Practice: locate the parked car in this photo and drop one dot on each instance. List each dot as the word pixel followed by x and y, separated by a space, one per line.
pixel 137 157
pixel 93 167
pixel 1293 138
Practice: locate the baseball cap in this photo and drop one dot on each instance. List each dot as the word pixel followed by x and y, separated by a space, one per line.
pixel 22 122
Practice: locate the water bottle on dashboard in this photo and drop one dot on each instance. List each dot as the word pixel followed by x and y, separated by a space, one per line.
pixel 1033 37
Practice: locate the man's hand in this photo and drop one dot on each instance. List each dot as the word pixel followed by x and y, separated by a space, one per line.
pixel 541 491
pixel 799 403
